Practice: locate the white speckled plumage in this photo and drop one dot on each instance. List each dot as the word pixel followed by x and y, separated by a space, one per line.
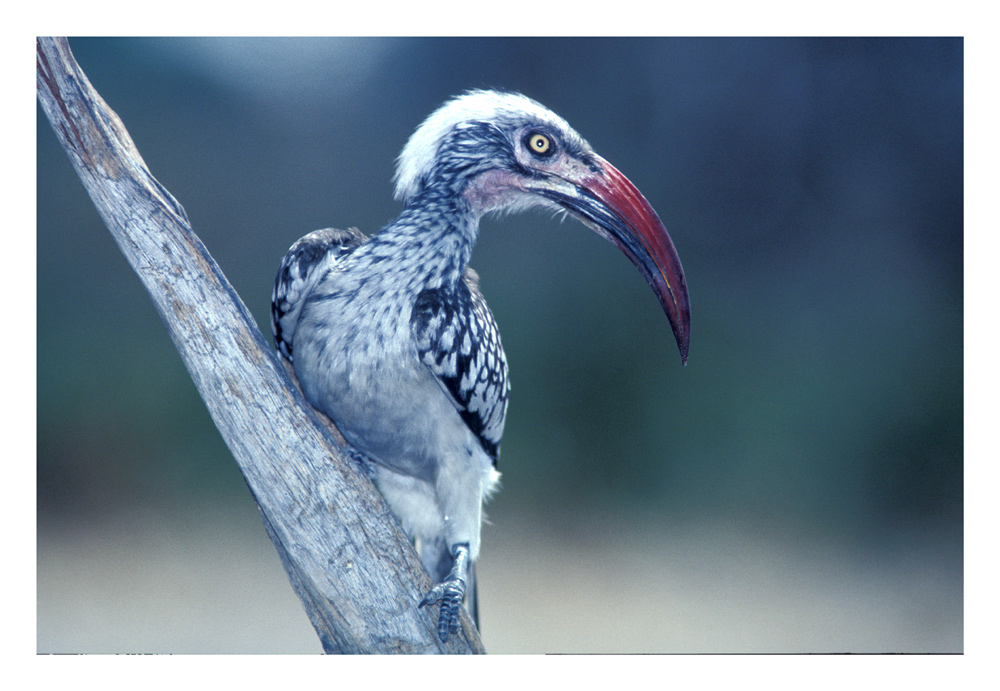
pixel 391 338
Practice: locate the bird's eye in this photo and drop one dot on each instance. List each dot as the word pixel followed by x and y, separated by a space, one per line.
pixel 539 144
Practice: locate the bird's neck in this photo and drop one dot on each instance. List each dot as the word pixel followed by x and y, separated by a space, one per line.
pixel 433 239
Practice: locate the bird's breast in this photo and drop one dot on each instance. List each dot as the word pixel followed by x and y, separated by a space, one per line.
pixel 357 363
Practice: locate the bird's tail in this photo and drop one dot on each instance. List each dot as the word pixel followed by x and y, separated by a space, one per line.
pixel 472 595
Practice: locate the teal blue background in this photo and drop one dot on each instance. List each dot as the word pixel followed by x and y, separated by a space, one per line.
pixel 814 191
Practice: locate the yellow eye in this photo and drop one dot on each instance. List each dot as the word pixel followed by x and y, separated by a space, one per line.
pixel 539 144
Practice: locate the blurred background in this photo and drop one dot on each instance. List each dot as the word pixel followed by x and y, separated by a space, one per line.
pixel 797 487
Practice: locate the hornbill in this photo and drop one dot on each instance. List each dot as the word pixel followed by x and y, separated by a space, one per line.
pixel 390 337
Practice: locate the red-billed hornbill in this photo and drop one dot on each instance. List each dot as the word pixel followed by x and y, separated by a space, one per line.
pixel 391 338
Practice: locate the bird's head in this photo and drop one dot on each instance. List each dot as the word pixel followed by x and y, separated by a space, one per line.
pixel 501 151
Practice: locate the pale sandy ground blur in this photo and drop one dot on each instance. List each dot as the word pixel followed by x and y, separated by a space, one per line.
pixel 211 583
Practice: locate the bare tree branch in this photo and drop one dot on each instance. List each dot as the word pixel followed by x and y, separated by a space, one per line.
pixel 350 564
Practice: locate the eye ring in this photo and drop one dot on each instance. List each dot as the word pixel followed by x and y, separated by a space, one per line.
pixel 539 144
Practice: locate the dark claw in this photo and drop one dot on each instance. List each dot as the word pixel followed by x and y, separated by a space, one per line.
pixel 363 461
pixel 449 593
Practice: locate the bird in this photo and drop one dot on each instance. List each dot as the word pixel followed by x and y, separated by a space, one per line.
pixel 390 337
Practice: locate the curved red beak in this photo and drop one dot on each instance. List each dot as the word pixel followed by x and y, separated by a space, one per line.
pixel 608 203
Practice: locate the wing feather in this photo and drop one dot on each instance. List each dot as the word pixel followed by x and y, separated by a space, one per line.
pixel 304 266
pixel 457 339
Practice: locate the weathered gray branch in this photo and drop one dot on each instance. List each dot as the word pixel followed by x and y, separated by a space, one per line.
pixel 358 578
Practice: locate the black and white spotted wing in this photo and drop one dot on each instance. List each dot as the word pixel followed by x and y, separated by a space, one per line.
pixel 458 340
pixel 304 265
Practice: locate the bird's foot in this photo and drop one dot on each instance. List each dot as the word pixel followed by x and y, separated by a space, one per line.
pixel 366 464
pixel 450 592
